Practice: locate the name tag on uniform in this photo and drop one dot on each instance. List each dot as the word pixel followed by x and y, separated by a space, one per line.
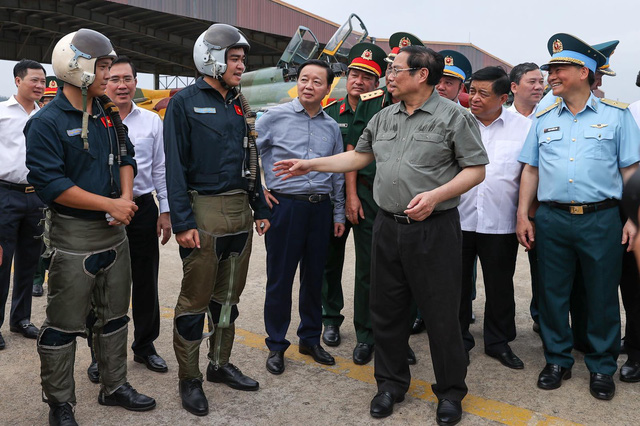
pixel 74 132
pixel 551 129
pixel 198 110
pixel 343 124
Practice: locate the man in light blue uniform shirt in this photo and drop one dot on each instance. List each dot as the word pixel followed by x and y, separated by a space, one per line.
pixel 301 212
pixel 577 154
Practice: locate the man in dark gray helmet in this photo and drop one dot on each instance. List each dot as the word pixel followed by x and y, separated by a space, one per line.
pixel 213 184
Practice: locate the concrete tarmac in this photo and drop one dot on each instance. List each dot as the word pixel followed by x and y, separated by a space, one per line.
pixel 311 394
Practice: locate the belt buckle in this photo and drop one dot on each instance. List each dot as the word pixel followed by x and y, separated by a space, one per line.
pixel 400 218
pixel 315 198
pixel 29 190
pixel 576 210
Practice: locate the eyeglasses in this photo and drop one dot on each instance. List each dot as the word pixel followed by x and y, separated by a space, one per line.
pixel 126 79
pixel 394 71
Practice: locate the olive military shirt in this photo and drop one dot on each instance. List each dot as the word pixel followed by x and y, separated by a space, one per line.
pixel 343 114
pixel 365 110
pixel 420 152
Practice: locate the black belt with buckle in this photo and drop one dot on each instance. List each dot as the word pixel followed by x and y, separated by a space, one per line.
pixel 143 198
pixel 399 218
pixel 406 220
pixel 311 198
pixel 20 187
pixel 585 208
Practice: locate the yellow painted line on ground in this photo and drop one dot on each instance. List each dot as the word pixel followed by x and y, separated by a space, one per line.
pixel 482 407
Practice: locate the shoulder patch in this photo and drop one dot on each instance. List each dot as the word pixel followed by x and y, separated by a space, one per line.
pixel 617 104
pixel 371 95
pixel 549 108
pixel 333 102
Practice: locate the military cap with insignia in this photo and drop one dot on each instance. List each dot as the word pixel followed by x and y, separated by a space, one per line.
pixel 456 64
pixel 567 49
pixel 52 87
pixel 399 40
pixel 369 58
pixel 607 49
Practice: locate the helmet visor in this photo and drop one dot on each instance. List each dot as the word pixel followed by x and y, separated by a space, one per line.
pixel 91 44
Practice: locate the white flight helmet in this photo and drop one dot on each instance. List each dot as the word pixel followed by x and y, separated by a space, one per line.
pixel 75 55
pixel 209 52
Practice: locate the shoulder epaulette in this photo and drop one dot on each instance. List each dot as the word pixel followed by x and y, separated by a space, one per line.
pixel 550 107
pixel 617 104
pixel 371 95
pixel 333 102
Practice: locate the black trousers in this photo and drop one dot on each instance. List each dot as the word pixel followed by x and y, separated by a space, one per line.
pixel 145 259
pixel 419 261
pixel 630 289
pixel 20 215
pixel 497 254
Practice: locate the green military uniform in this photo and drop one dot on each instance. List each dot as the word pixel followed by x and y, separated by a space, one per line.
pixel 332 298
pixel 369 58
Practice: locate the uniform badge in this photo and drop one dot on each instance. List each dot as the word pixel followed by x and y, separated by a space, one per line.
pixel 106 121
pixel 238 109
pixel 53 84
pixel 74 132
pixel 367 54
pixel 551 129
pixel 404 42
pixel 557 46
pixel 343 125
pixel 599 126
pixel 448 61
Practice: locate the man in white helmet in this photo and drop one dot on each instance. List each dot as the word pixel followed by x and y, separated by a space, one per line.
pixel 213 185
pixel 81 164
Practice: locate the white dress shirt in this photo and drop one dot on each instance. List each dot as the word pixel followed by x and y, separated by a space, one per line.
pixel 13 148
pixel 635 111
pixel 490 207
pixel 145 132
pixel 531 116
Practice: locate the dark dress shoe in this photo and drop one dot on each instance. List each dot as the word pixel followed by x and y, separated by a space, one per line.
pixel 127 397
pixel 630 371
pixel 411 356
pixel 92 372
pixel 536 327
pixel 362 353
pixel 552 375
pixel 154 362
pixel 231 376
pixel 448 412
pixel 37 290
pixel 193 399
pixel 2 344
pixel 318 353
pixel 331 335
pixel 382 404
pixel 508 359
pixel 602 386
pixel 418 326
pixel 61 415
pixel 27 329
pixel 275 362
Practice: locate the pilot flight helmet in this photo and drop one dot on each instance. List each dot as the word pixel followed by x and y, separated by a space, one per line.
pixel 74 56
pixel 209 52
